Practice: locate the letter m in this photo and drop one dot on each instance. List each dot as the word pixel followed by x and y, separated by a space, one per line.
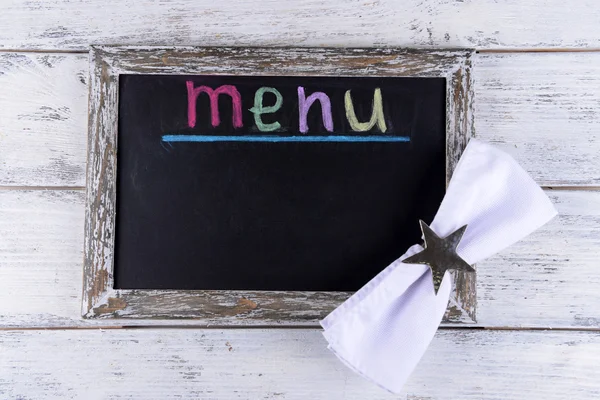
pixel 236 99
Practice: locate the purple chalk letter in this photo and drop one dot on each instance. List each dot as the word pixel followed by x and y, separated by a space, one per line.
pixel 305 103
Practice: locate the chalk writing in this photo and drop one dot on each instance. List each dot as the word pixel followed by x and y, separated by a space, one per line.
pixel 305 103
pixel 290 119
pixel 376 116
pixel 259 109
pixel 230 90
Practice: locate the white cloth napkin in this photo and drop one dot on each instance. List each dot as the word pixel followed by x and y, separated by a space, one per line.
pixel 383 330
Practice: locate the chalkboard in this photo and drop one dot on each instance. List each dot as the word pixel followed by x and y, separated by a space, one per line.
pixel 273 182
pixel 244 186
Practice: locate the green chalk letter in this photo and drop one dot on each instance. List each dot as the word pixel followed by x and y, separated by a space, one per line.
pixel 259 109
pixel 376 115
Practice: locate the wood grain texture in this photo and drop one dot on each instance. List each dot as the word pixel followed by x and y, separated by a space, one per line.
pixel 288 364
pixel 550 279
pixel 42 109
pixel 100 300
pixel 486 24
pixel 544 109
pixel 541 108
pixel 41 254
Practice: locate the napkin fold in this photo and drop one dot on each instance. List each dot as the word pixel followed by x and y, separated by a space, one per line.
pixel 383 330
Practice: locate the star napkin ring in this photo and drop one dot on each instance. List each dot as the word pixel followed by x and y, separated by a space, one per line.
pixel 383 329
pixel 440 253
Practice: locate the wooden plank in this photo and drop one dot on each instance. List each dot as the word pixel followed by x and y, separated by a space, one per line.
pixel 486 24
pixel 41 257
pixel 548 280
pixel 279 364
pixel 551 278
pixel 542 108
pixel 43 103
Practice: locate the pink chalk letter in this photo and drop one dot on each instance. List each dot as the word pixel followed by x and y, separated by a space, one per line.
pixel 229 90
pixel 305 103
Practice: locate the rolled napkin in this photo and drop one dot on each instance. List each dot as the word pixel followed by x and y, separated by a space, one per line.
pixel 383 330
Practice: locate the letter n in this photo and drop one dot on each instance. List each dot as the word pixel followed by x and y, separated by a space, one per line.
pixel 304 105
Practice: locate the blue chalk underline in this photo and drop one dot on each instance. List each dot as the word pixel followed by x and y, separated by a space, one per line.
pixel 256 138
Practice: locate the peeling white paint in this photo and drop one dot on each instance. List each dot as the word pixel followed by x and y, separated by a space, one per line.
pixel 541 107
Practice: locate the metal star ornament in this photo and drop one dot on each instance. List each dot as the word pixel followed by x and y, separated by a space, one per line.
pixel 440 254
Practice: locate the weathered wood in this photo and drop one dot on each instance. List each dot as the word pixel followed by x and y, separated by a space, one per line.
pixel 42 110
pixel 542 108
pixel 550 279
pixel 288 364
pixel 100 300
pixel 487 24
pixel 41 253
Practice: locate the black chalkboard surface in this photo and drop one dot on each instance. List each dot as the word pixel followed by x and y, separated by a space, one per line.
pixel 224 185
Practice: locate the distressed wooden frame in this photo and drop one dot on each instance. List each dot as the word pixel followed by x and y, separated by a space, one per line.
pixel 101 300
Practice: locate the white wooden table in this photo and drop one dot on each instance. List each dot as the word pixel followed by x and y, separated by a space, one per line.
pixel 537 96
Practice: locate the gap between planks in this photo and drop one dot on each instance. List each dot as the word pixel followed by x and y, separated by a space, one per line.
pixel 540 50
pixel 44 51
pixel 284 327
pixel 66 188
pixel 485 51
pixel 83 188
